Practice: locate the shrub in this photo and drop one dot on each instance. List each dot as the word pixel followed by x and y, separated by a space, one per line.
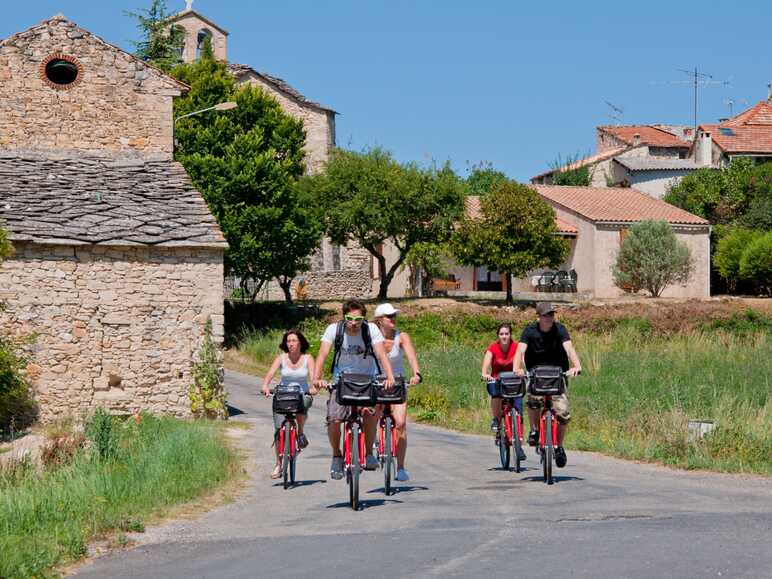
pixel 208 398
pixel 17 406
pixel 102 432
pixel 756 263
pixel 729 251
pixel 651 258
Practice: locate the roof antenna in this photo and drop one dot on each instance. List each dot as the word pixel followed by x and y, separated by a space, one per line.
pixel 616 113
pixel 731 102
pixel 698 79
pixel 769 91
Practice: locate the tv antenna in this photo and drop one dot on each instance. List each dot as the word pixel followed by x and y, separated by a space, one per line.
pixel 698 79
pixel 732 102
pixel 616 113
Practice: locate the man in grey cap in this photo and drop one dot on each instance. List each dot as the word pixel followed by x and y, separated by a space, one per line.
pixel 547 343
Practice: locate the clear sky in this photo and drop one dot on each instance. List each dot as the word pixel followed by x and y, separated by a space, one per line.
pixel 509 82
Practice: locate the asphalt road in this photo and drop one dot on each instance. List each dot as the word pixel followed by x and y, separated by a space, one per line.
pixel 460 516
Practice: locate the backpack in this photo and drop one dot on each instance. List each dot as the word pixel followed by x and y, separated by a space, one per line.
pixel 338 343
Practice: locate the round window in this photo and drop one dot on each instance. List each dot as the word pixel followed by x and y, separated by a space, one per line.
pixel 61 71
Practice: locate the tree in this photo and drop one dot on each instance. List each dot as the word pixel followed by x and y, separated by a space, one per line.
pixel 429 261
pixel 371 199
pixel 756 263
pixel 161 45
pixel 729 251
pixel 651 258
pixel 483 178
pixel 517 234
pixel 246 163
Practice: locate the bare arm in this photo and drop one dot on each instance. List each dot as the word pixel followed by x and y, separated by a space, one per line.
pixel 321 358
pixel 576 365
pixel 269 376
pixel 383 359
pixel 517 364
pixel 485 372
pixel 312 389
pixel 412 359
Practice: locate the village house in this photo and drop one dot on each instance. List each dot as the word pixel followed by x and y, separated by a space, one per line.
pixel 336 271
pixel 118 262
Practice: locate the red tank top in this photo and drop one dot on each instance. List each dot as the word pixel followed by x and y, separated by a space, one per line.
pixel 502 362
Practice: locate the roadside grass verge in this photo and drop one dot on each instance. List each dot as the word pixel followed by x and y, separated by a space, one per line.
pixel 48 516
pixel 640 386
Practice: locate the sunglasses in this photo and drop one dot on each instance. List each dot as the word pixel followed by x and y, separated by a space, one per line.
pixel 548 315
pixel 350 318
pixel 391 316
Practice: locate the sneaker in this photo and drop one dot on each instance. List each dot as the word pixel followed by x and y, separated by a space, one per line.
pixel 402 475
pixel 336 468
pixel 302 441
pixel 533 438
pixel 276 473
pixel 371 463
pixel 560 457
pixel 521 454
pixel 495 425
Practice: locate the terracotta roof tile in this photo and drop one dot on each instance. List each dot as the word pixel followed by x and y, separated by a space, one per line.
pixel 616 204
pixel 748 132
pixel 587 161
pixel 473 211
pixel 648 136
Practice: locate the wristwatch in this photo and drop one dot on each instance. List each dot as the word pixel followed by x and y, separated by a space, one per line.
pixel 420 378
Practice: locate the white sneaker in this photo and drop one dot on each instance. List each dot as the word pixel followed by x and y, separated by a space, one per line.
pixel 336 468
pixel 371 463
pixel 402 475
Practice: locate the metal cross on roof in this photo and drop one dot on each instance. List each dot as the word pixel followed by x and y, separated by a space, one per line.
pixel 188 4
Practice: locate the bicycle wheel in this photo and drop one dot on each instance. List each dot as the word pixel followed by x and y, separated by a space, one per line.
pixel 516 445
pixel 388 457
pixel 353 487
pixel 549 451
pixel 285 459
pixel 504 449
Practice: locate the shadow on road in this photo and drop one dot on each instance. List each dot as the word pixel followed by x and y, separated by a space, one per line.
pixel 302 483
pixel 522 469
pixel 233 411
pixel 401 489
pixel 365 504
pixel 557 479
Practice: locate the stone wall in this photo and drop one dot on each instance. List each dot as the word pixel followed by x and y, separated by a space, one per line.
pixel 192 24
pixel 117 104
pixel 115 327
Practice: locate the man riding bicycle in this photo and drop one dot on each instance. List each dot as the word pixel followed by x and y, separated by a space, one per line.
pixel 547 343
pixel 357 345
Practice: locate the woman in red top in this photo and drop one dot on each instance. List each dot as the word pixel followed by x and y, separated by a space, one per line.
pixel 499 357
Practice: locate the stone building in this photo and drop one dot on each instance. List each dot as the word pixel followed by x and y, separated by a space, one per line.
pixel 336 271
pixel 118 262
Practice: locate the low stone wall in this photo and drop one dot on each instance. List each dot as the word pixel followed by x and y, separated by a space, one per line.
pixel 113 327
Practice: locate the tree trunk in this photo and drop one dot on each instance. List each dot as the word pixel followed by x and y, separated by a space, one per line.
pixel 509 301
pixel 286 285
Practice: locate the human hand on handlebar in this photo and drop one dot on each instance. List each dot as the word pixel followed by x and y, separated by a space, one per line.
pixel 519 371
pixel 488 378
pixel 575 371
pixel 415 380
pixel 320 384
pixel 266 391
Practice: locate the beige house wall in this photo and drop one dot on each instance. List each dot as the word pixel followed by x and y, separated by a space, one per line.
pixel 115 327
pixel 119 105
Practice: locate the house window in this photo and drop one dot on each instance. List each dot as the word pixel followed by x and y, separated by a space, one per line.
pixel 60 71
pixel 203 35
pixel 335 258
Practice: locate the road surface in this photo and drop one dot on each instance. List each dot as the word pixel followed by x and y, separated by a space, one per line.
pixel 460 516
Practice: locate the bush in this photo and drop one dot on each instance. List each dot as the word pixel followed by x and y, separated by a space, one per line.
pixel 17 406
pixel 103 434
pixel 207 395
pixel 756 263
pixel 729 251
pixel 651 258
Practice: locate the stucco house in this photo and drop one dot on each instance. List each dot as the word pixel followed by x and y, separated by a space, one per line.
pixel 118 262
pixel 336 271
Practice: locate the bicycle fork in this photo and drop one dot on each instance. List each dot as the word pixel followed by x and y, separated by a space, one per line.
pixel 347 447
pixel 543 431
pixel 293 441
pixel 382 438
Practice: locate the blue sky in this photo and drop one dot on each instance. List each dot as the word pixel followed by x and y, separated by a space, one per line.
pixel 502 81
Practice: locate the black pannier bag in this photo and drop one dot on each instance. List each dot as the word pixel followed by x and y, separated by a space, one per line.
pixel 397 395
pixel 288 399
pixel 547 381
pixel 512 385
pixel 355 390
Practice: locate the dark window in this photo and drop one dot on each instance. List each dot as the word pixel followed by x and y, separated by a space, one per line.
pixel 203 36
pixel 726 131
pixel 61 72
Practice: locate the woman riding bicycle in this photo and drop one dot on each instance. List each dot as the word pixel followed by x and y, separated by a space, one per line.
pixel 398 345
pixel 296 366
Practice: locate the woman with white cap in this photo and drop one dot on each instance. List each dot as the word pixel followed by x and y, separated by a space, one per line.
pixel 398 345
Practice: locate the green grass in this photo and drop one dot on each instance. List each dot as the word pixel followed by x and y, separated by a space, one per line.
pixel 47 518
pixel 638 390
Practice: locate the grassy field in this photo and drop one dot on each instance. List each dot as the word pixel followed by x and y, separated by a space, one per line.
pixel 644 378
pixel 48 517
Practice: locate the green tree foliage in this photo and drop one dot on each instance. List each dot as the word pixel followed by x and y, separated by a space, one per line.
pixel 432 260
pixel 246 162
pixel 516 234
pixel 6 247
pixel 208 398
pixel 17 406
pixel 756 263
pixel 482 178
pixel 161 45
pixel 568 173
pixel 729 251
pixel 651 258
pixel 370 198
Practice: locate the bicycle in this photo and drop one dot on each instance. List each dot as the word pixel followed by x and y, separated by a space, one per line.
pixel 288 401
pixel 386 444
pixel 510 387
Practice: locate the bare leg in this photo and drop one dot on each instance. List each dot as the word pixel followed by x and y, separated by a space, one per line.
pixel 333 434
pixel 533 417
pixel 562 429
pixel 399 413
pixel 371 426
pixel 496 408
pixel 301 420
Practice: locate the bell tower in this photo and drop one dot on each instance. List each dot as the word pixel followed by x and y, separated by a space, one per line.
pixel 197 29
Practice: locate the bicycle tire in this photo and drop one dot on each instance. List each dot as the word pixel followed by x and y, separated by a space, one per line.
pixel 504 450
pixel 516 445
pixel 285 459
pixel 388 457
pixel 549 451
pixel 293 466
pixel 353 489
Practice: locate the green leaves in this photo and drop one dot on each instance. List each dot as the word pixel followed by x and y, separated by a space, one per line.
pixel 161 45
pixel 208 398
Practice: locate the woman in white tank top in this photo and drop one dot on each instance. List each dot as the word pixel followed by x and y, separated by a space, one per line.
pixel 294 365
pixel 399 346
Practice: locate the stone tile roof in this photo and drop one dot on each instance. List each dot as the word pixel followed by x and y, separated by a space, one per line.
pixel 473 211
pixel 239 70
pixel 748 132
pixel 200 17
pixel 615 204
pixel 587 161
pixel 649 135
pixel 657 163
pixel 103 201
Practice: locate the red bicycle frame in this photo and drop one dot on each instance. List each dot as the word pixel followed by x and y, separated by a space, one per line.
pixel 382 438
pixel 348 442
pixel 293 439
pixel 509 428
pixel 542 428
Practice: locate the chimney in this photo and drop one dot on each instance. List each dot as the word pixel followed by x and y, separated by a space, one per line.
pixel 704 149
pixel 636 139
pixel 769 92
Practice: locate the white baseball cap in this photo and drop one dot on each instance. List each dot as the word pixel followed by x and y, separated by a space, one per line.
pixel 385 310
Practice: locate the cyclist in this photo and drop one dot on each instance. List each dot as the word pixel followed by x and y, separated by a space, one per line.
pixel 295 365
pixel 546 343
pixel 499 357
pixel 357 344
pixel 398 345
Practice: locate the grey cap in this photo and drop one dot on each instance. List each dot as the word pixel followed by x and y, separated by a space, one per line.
pixel 543 308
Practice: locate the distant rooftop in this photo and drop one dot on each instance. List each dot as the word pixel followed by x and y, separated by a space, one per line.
pixel 657 164
pixel 647 135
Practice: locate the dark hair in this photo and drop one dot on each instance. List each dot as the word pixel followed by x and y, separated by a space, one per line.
pixel 502 326
pixel 349 305
pixel 304 345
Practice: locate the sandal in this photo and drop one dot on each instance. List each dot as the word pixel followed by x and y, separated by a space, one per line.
pixel 276 471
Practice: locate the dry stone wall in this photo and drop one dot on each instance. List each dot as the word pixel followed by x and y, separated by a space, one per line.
pixel 115 327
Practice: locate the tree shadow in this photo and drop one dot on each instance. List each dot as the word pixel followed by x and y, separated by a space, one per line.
pixel 400 489
pixel 233 411
pixel 364 504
